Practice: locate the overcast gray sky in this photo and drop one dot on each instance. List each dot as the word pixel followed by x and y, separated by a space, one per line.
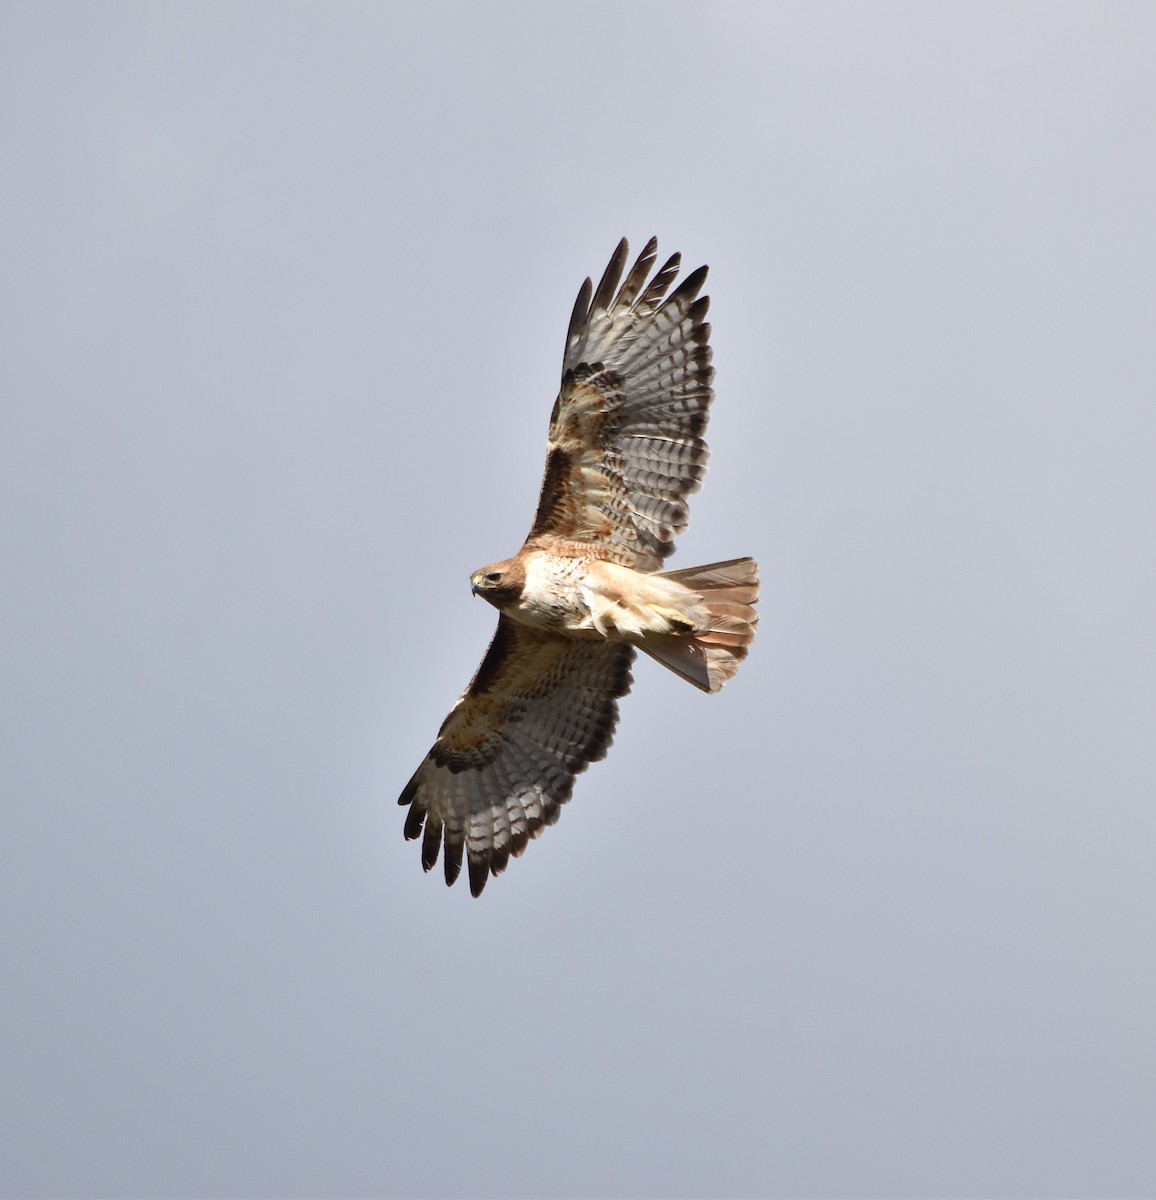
pixel 284 290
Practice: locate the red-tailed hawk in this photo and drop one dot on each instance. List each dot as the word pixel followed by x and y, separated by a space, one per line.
pixel 625 450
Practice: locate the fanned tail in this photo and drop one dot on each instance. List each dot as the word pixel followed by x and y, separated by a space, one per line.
pixel 709 656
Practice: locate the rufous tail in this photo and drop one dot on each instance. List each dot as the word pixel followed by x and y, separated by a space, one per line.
pixel 710 655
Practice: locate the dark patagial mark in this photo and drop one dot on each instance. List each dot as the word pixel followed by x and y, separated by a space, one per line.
pixel 553 493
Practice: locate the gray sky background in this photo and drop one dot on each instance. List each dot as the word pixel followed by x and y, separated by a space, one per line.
pixel 284 289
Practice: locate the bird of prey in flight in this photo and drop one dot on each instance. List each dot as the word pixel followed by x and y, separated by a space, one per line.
pixel 585 591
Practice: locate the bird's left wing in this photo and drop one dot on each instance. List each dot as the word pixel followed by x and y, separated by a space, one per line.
pixel 538 711
pixel 625 446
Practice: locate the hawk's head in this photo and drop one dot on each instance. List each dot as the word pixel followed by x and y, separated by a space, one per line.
pixel 500 583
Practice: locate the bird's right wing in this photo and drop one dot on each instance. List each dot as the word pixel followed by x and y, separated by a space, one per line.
pixel 539 709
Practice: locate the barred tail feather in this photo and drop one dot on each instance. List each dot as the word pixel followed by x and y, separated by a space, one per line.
pixel 711 655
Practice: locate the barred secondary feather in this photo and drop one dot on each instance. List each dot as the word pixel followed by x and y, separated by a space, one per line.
pixel 624 451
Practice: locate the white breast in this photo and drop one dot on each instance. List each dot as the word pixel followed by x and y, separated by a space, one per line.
pixel 551 596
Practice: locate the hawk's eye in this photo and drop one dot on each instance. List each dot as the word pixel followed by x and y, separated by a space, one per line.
pixel 493 576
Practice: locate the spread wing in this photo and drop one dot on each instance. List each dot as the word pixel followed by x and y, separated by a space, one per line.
pixel 538 711
pixel 625 447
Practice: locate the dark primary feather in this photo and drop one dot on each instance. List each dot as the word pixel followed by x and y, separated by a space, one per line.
pixel 604 293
